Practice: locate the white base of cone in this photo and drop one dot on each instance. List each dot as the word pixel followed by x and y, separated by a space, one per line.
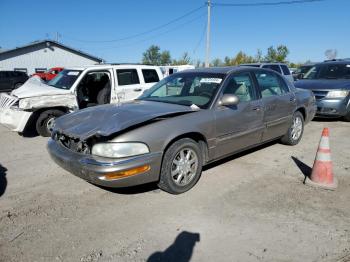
pixel 333 186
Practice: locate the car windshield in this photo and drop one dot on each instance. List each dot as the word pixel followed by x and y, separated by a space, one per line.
pixel 303 69
pixel 65 79
pixel 187 89
pixel 329 71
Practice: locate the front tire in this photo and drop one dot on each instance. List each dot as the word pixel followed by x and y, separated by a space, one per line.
pixel 181 166
pixel 295 131
pixel 347 117
pixel 46 120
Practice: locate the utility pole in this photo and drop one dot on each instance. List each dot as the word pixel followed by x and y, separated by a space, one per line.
pixel 207 56
pixel 57 36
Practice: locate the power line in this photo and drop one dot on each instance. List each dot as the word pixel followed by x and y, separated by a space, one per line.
pixel 267 3
pixel 142 33
pixel 200 39
pixel 158 34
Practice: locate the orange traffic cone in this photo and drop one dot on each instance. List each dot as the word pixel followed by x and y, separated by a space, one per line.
pixel 322 171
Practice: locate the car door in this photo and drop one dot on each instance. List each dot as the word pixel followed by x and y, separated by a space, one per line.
pixel 95 88
pixel 278 102
pixel 239 126
pixel 149 76
pixel 129 85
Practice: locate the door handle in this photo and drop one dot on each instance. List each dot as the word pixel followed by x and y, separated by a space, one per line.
pixel 257 108
pixel 137 89
pixel 292 99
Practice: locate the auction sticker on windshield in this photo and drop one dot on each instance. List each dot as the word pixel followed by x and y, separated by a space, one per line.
pixel 73 73
pixel 211 80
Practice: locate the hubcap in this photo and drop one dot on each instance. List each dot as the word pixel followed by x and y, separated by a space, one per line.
pixel 184 167
pixel 50 124
pixel 297 128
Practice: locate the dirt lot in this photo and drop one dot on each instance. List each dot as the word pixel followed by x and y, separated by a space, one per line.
pixel 251 207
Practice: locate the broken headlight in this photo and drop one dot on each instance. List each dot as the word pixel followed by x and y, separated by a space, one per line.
pixel 27 103
pixel 119 150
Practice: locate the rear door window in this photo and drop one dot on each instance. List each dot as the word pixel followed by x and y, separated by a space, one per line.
pixel 127 77
pixel 271 84
pixel 150 75
pixel 274 68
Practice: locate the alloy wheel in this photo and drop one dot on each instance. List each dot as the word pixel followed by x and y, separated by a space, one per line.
pixel 184 166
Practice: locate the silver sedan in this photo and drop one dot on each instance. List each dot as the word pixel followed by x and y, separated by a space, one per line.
pixel 185 121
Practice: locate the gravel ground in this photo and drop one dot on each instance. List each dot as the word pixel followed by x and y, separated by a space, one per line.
pixel 250 207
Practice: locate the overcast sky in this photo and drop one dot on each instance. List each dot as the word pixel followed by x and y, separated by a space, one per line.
pixel 307 29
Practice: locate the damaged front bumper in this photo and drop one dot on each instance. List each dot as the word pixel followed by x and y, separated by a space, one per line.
pixel 93 169
pixel 11 116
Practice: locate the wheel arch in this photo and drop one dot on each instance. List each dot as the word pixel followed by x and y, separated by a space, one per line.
pixel 302 110
pixel 34 117
pixel 196 136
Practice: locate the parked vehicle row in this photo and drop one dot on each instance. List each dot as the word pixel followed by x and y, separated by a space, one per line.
pixel 10 80
pixel 278 67
pixel 49 74
pixel 330 83
pixel 185 121
pixel 40 103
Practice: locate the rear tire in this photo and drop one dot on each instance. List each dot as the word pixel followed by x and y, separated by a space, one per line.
pixel 347 117
pixel 295 131
pixel 45 121
pixel 181 166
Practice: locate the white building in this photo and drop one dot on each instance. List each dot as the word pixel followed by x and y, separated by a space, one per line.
pixel 42 55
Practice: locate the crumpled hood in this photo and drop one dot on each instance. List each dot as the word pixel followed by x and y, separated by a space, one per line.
pixel 34 88
pixel 326 84
pixel 106 120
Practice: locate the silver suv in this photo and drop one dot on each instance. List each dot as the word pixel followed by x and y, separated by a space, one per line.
pixel 278 67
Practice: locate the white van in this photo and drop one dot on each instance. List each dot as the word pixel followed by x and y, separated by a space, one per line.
pixel 73 89
pixel 169 70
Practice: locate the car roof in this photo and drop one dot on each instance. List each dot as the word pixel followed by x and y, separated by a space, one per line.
pixel 221 70
pixel 264 63
pixel 335 62
pixel 116 66
pixel 215 70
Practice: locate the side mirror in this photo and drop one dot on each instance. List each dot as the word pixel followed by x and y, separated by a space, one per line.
pixel 229 100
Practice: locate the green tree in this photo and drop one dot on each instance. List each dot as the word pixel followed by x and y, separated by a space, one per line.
pixel 217 62
pixel 259 56
pixel 242 58
pixel 227 61
pixel 165 58
pixel 278 54
pixel 184 60
pixel 152 55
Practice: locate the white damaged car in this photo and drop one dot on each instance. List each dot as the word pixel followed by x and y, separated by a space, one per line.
pixel 37 104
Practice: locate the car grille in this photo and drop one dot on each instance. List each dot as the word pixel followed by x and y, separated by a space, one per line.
pixel 6 101
pixel 320 94
pixel 73 144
